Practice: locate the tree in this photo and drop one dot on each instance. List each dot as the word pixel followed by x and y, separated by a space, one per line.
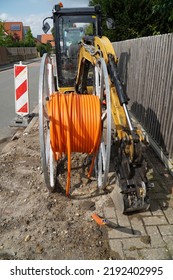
pixel 89 29
pixel 9 41
pixel 44 48
pixel 16 37
pixel 2 35
pixel 13 40
pixel 29 39
pixel 137 18
pixel 163 10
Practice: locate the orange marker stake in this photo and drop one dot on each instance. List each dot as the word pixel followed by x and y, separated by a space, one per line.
pixel 98 220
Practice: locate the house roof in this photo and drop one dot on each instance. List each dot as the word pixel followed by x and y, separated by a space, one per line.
pixel 45 38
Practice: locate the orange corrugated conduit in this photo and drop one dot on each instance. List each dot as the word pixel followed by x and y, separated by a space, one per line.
pixel 75 126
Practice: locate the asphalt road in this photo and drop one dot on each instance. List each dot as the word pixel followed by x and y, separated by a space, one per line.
pixel 7 97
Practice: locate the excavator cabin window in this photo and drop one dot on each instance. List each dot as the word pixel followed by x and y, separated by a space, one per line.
pixel 69 32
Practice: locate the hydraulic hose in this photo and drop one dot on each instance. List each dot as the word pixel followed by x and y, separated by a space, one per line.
pixel 75 126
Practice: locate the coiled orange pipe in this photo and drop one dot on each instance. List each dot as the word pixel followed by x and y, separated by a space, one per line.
pixel 75 126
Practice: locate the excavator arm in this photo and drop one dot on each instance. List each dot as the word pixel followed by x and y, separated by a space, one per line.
pixel 128 142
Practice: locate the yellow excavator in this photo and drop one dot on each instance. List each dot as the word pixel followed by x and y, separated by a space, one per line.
pixel 83 108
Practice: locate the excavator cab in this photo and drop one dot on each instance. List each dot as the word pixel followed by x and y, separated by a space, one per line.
pixel 71 25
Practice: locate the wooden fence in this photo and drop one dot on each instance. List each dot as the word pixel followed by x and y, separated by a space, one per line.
pixel 8 55
pixel 3 55
pixel 146 70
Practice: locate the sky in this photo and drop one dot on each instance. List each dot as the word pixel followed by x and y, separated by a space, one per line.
pixel 32 12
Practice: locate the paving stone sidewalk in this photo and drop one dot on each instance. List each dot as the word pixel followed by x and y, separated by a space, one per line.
pixel 147 235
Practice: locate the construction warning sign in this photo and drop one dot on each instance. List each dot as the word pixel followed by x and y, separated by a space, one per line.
pixel 21 89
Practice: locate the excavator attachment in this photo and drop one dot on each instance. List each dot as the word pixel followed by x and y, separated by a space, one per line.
pixel 86 65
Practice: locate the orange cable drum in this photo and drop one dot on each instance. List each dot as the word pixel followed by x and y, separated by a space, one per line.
pixel 75 126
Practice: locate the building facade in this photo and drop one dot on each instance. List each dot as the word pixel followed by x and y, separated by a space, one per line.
pixel 16 29
pixel 47 38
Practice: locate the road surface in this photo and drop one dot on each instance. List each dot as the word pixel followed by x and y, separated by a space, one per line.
pixel 7 98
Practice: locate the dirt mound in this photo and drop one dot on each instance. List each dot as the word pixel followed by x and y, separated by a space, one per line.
pixel 35 224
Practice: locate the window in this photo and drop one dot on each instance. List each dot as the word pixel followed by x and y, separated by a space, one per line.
pixel 15 27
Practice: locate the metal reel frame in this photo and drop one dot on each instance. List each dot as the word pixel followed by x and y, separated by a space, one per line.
pixel 46 88
pixel 102 90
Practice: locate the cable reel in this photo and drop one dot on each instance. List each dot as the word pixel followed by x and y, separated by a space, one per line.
pixel 46 87
pixel 74 123
pixel 102 90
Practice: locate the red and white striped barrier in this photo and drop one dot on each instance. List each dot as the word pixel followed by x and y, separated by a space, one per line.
pixel 21 89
